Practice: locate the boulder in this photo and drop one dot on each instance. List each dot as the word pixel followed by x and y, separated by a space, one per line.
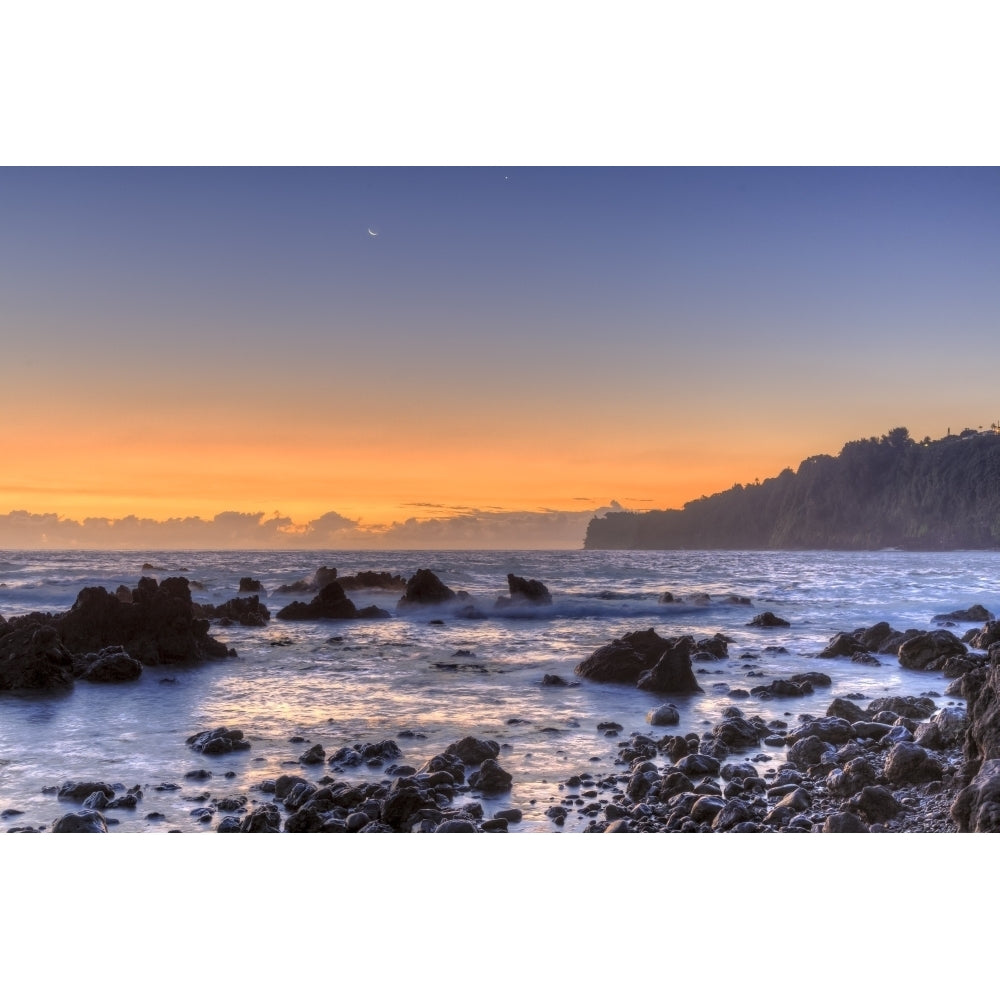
pixel 908 763
pixel 976 809
pixel 84 821
pixel 524 591
pixel 844 822
pixel 671 674
pixel 829 728
pixel 768 619
pixel 248 585
pixel 977 613
pixel 242 610
pixel 330 602
pixel 111 665
pixel 842 644
pixel 425 588
pixel 906 705
pixel 664 715
pixel 158 627
pixel 875 803
pixel 471 750
pixel 262 819
pixel 372 580
pixel 33 655
pixel 929 650
pixel 644 659
pixel 491 778
pixel 218 741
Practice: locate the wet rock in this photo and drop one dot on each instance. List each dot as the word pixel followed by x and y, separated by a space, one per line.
pixel 471 750
pixel 737 733
pixel 807 751
pixel 697 764
pixel 491 778
pixel 624 660
pixel 672 673
pixel 841 708
pixel 425 588
pixel 158 627
pixel 248 585
pixel 524 591
pixel 842 644
pixel 844 822
pixel 782 688
pixel 331 602
pixel 111 665
pixel 911 764
pixel 264 818
pixel 77 791
pixel 855 775
pixel 908 706
pixel 663 715
pixel 830 729
pixel 929 650
pixel 218 741
pixel 553 680
pixel 246 611
pixel 875 803
pixel 314 755
pixel 976 613
pixel 84 821
pixel 768 619
pixel 372 580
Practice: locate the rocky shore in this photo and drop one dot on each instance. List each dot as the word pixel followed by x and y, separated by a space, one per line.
pixel 895 764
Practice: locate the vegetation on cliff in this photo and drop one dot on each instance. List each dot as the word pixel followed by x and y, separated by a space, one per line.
pixel 887 492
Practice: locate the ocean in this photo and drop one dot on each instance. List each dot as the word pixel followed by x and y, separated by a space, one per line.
pixel 427 678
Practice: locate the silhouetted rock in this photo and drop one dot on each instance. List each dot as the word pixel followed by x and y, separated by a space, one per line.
pixel 524 591
pixel 330 602
pixel 929 650
pixel 111 665
pixel 218 741
pixel 424 587
pixel 158 626
pixel 767 619
pixel 84 821
pixel 372 580
pixel 977 613
pixel 248 585
pixel 242 610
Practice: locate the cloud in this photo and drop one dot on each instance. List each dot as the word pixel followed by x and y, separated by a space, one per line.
pixel 461 528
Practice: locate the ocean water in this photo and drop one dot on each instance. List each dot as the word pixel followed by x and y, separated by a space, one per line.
pixel 436 677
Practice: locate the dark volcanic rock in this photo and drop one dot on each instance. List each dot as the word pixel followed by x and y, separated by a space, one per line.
pixel 32 654
pixel 423 588
pixel 768 619
pixel 909 763
pixel 372 580
pixel 158 627
pixel 491 778
pixel 330 602
pixel 977 613
pixel 842 644
pixel 844 822
pixel 78 791
pixel 218 741
pixel 84 821
pixel 644 659
pixel 471 750
pixel 111 666
pixel 524 591
pixel 929 650
pixel 672 673
pixel 243 610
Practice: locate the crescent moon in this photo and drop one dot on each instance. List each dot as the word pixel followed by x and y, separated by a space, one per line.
pixel 370 233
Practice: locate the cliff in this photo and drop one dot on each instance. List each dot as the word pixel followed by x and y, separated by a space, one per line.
pixel 888 492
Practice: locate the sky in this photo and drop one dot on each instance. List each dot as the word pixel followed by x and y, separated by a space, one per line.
pixel 516 348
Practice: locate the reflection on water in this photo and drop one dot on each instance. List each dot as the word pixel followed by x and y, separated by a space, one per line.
pixel 426 684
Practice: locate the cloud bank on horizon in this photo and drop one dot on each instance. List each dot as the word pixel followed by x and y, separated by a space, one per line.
pixel 470 529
